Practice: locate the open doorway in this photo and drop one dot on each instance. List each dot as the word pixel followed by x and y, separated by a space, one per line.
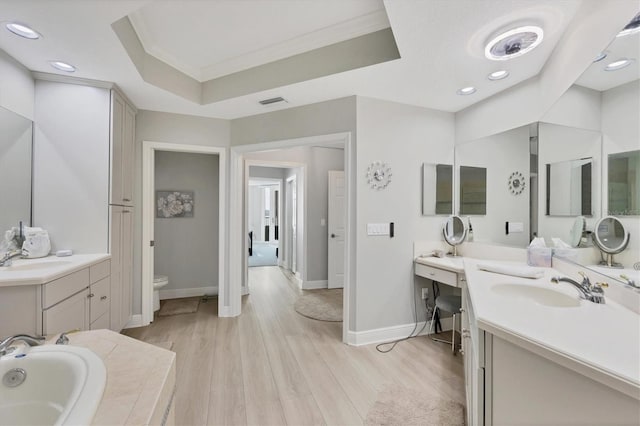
pixel 263 221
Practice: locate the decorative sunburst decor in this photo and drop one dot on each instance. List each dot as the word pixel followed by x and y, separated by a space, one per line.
pixel 378 175
pixel 516 183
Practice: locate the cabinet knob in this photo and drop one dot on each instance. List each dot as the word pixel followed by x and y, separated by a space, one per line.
pixel 103 298
pixel 462 310
pixel 126 199
pixel 90 295
pixel 461 351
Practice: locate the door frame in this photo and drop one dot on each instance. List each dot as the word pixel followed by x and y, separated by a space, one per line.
pixel 149 149
pixel 289 252
pixel 248 163
pixel 237 241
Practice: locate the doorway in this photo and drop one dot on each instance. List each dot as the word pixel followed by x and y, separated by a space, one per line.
pixel 149 150
pixel 263 221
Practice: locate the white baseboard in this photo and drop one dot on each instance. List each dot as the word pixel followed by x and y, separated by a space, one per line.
pixel 314 285
pixel 178 293
pixel 135 321
pixel 388 334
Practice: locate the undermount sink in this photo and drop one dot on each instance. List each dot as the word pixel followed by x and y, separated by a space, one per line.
pixel 540 295
pixel 62 385
pixel 31 265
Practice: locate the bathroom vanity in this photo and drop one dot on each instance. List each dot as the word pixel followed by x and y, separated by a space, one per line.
pixel 55 294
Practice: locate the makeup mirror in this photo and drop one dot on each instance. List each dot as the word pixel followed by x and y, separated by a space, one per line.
pixel 611 238
pixel 454 233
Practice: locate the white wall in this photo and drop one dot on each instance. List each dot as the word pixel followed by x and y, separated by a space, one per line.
pixel 170 128
pixel 17 89
pixel 71 165
pixel 501 155
pixel 186 249
pixel 577 107
pixel 621 133
pixel 561 143
pixel 404 137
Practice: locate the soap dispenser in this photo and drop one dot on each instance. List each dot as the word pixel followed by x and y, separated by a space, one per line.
pixel 470 231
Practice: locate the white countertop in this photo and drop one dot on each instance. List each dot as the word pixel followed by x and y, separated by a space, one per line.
pixel 601 341
pixel 45 269
pixel 449 263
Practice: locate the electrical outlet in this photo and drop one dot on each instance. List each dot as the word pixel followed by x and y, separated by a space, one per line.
pixel 425 293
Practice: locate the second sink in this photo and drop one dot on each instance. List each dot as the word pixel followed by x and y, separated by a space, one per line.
pixel 540 295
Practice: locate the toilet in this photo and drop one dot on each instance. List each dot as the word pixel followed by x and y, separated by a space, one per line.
pixel 159 281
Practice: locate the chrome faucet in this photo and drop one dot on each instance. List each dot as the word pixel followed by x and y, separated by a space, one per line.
pixel 629 281
pixel 591 292
pixel 5 344
pixel 6 259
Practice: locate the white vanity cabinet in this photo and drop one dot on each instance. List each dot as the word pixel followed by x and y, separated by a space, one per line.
pixel 123 125
pixel 473 349
pixel 78 301
pixel 121 266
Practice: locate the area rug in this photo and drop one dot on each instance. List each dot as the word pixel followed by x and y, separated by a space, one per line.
pixel 263 254
pixel 187 305
pixel 397 405
pixel 323 305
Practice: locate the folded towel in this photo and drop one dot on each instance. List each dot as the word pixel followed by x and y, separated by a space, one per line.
pixel 513 270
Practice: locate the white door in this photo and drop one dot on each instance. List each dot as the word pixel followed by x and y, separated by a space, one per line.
pixel 293 236
pixel 336 228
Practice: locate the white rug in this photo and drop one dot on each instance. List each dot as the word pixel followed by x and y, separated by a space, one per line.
pixel 397 405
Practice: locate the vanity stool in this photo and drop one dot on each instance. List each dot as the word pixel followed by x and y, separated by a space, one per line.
pixel 448 304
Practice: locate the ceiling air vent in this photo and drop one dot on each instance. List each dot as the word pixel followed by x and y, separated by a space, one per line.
pixel 272 101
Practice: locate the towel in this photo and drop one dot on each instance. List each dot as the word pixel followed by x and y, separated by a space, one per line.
pixel 513 270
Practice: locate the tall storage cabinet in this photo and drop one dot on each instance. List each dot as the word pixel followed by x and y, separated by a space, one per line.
pixel 121 209
pixel 83 177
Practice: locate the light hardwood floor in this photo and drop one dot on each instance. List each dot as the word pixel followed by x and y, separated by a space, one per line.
pixel 272 366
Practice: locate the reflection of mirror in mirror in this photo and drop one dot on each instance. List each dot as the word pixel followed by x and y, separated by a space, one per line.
pixel 473 190
pixel 454 232
pixel 15 169
pixel 437 189
pixel 611 238
pixel 569 188
pixel 623 184
pixel 578 231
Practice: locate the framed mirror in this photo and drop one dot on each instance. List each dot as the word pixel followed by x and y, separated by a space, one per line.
pixel 623 183
pixel 473 190
pixel 437 189
pixel 569 188
pixel 454 233
pixel 15 169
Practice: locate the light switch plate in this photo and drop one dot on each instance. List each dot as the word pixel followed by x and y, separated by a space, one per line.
pixel 377 229
pixel 515 227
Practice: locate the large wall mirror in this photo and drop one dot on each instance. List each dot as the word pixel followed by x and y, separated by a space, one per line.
pixel 15 169
pixel 623 183
pixel 437 189
pixel 569 188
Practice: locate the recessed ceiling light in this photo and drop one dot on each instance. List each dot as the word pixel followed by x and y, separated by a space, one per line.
pixel 632 27
pixel 618 65
pixel 62 66
pixel 514 43
pixel 22 30
pixel 498 75
pixel 466 90
pixel 600 56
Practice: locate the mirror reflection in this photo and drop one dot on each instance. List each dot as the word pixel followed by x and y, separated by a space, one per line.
pixel 454 233
pixel 569 188
pixel 623 183
pixel 15 169
pixel 437 189
pixel 473 190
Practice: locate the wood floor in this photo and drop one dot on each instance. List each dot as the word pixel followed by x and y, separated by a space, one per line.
pixel 272 366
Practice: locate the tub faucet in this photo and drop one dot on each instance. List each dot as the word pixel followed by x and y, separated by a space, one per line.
pixel 6 259
pixel 5 344
pixel 591 292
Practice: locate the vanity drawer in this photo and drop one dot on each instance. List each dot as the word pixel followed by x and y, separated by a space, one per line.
pixel 100 298
pixel 100 271
pixel 58 290
pixel 435 274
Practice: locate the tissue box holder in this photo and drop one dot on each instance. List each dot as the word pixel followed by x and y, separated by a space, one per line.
pixel 539 256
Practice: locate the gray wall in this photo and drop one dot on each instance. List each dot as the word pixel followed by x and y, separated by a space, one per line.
pixel 186 249
pixel 169 128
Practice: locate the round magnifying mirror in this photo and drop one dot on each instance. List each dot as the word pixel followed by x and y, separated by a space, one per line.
pixel 578 230
pixel 611 238
pixel 454 232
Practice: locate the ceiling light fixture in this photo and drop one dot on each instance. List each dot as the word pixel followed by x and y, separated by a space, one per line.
pixel 632 27
pixel 62 66
pixel 22 30
pixel 498 75
pixel 618 65
pixel 466 91
pixel 600 57
pixel 514 43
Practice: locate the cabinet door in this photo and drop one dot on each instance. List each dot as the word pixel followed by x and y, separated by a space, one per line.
pixel 70 314
pixel 128 154
pixel 126 265
pixel 118 107
pixel 100 299
pixel 116 268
